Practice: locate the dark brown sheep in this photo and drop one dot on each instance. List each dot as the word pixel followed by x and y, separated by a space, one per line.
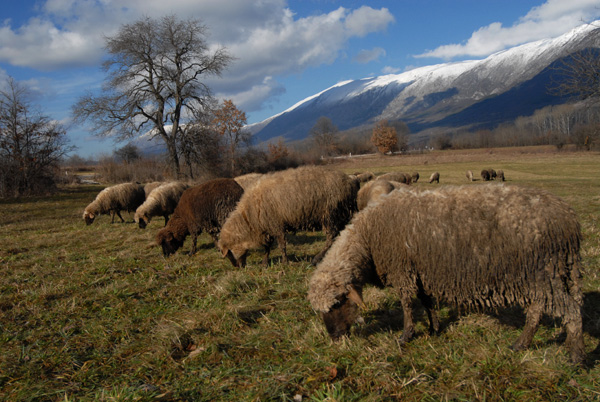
pixel 201 208
pixel 428 244
pixel 485 175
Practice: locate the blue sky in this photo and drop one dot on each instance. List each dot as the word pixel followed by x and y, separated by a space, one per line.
pixel 285 50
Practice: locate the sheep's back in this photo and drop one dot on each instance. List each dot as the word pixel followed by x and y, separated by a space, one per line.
pixel 471 245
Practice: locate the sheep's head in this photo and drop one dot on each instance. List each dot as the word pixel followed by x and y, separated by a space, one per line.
pixel 169 243
pixel 142 221
pixel 88 217
pixel 340 317
pixel 236 254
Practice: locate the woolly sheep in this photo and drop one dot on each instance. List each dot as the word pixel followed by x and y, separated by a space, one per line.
pixel 415 177
pixel 492 174
pixel 435 177
pixel 371 191
pixel 485 175
pixel 365 177
pixel 469 175
pixel 304 198
pixel 201 208
pixel 500 174
pixel 112 200
pixel 149 187
pixel 428 244
pixel 161 202
pixel 247 180
pixel 396 176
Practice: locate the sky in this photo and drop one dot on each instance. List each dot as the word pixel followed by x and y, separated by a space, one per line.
pixel 284 51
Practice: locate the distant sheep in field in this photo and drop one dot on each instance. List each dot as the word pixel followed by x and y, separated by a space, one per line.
pixel 435 177
pixel 415 177
pixel 161 202
pixel 485 175
pixel 304 198
pixel 112 200
pixel 371 191
pixel 428 244
pixel 248 180
pixel 149 187
pixel 492 174
pixel 500 174
pixel 365 177
pixel 469 175
pixel 396 176
pixel 201 208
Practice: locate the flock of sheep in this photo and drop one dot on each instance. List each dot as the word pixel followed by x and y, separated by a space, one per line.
pixel 475 246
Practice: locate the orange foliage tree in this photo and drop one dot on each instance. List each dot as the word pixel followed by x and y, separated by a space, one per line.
pixel 229 122
pixel 384 137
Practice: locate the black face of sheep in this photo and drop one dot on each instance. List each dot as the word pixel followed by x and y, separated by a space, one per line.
pixel 340 318
pixel 88 218
pixel 142 223
pixel 169 244
pixel 239 262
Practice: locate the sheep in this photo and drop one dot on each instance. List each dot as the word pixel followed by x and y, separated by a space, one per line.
pixel 485 175
pixel 429 244
pixel 201 208
pixel 247 180
pixel 149 187
pixel 492 174
pixel 500 174
pixel 469 175
pixel 303 198
pixel 364 177
pixel 396 176
pixel 415 177
pixel 161 202
pixel 112 200
pixel 371 191
pixel 435 177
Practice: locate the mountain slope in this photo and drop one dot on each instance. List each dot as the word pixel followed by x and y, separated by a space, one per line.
pixel 483 92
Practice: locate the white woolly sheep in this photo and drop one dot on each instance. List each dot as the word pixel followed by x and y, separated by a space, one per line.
pixel 434 244
pixel 112 200
pixel 435 177
pixel 161 202
pixel 304 198
pixel 371 191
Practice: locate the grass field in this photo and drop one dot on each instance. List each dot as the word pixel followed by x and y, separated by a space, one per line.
pixel 95 313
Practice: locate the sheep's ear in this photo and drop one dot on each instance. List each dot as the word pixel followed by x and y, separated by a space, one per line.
pixel 91 215
pixel 356 298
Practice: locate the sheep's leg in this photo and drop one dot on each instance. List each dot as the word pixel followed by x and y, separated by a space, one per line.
pixel 119 215
pixel 532 322
pixel 409 325
pixel 329 241
pixel 432 313
pixel 112 216
pixel 194 241
pixel 573 326
pixel 265 260
pixel 166 219
pixel 282 245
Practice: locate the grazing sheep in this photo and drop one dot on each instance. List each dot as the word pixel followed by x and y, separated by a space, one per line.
pixel 248 180
pixel 112 200
pixel 304 198
pixel 415 177
pixel 149 187
pixel 371 191
pixel 469 175
pixel 161 202
pixel 500 174
pixel 492 174
pixel 396 176
pixel 435 177
pixel 429 244
pixel 364 177
pixel 201 208
pixel 485 175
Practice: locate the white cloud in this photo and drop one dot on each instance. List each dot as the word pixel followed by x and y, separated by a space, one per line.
pixel 550 19
pixel 390 70
pixel 369 55
pixel 265 36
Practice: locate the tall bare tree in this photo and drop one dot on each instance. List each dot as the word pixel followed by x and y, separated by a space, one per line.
pixel 31 144
pixel 229 122
pixel 325 135
pixel 154 83
pixel 579 75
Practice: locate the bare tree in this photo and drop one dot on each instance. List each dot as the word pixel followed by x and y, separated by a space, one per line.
pixel 325 135
pixel 579 75
pixel 31 144
pixel 154 81
pixel 229 122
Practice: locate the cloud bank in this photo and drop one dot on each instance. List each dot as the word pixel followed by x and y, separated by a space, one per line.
pixel 550 19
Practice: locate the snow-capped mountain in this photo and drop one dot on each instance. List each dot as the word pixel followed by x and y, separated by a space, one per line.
pixel 485 92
